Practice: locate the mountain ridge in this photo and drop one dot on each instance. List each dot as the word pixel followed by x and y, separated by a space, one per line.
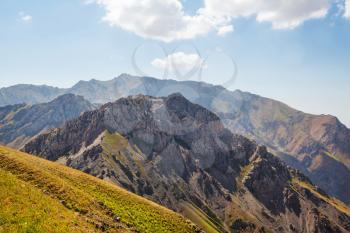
pixel 174 151
pixel 315 144
pixel 19 123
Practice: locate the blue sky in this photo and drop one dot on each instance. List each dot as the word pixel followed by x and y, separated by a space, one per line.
pixel 300 56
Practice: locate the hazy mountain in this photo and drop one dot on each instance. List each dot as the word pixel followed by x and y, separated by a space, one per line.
pixel 30 94
pixel 180 155
pixel 94 91
pixel 19 123
pixel 318 145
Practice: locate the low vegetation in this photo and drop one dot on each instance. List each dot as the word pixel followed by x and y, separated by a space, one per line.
pixel 200 218
pixel 41 196
pixel 332 201
pixel 243 173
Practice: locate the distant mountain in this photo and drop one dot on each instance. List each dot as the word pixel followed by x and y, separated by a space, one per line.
pixel 37 195
pixel 94 91
pixel 30 94
pixel 19 123
pixel 317 145
pixel 180 155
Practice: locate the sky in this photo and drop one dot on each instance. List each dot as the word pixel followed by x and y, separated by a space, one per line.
pixel 296 51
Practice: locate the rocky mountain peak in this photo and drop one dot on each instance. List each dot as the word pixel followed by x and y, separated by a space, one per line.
pixel 69 98
pixel 180 155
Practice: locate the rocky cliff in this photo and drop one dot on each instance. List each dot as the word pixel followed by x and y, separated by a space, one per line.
pixel 180 155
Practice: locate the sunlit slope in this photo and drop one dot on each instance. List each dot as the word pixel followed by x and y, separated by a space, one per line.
pixel 41 196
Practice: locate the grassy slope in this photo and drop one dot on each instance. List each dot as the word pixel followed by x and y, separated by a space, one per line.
pixel 25 209
pixel 199 217
pixel 340 206
pixel 40 196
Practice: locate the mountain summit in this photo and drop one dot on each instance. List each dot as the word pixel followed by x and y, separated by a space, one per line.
pixel 180 155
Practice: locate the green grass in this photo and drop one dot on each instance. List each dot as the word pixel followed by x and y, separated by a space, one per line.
pixel 243 173
pixel 332 156
pixel 26 209
pixel 41 196
pixel 114 142
pixel 332 201
pixel 199 218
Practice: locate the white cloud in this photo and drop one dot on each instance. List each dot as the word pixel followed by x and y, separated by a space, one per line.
pixel 222 31
pixel 179 62
pixel 282 14
pixel 166 20
pixel 347 9
pixel 88 2
pixel 25 17
pixel 157 19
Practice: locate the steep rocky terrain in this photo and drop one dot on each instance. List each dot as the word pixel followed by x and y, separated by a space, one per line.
pixel 180 155
pixel 319 145
pixel 19 123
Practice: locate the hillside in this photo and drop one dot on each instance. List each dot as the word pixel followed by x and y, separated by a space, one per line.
pixel 20 123
pixel 37 195
pixel 180 155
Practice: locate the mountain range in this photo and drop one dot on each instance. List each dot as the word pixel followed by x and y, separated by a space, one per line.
pixel 318 145
pixel 19 123
pixel 180 155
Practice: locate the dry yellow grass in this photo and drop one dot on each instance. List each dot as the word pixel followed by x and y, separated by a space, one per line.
pixel 332 201
pixel 42 196
pixel 200 218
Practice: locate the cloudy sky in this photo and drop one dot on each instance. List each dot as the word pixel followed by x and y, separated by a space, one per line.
pixel 296 51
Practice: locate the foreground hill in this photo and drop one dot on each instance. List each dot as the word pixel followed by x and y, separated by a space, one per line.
pixel 21 122
pixel 40 196
pixel 180 155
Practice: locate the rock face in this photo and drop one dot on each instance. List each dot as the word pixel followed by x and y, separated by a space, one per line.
pixel 180 155
pixel 19 123
pixel 317 145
